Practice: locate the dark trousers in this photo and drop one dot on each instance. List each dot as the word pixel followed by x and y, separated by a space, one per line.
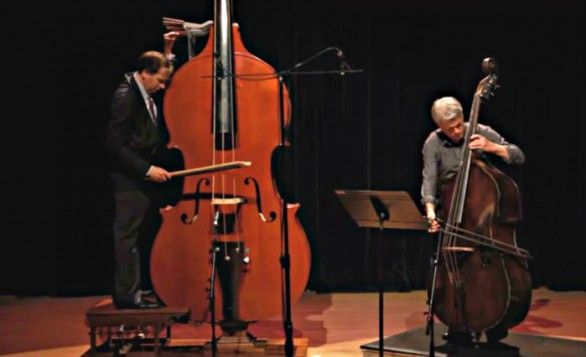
pixel 136 223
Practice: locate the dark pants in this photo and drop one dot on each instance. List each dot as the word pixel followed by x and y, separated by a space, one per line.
pixel 136 223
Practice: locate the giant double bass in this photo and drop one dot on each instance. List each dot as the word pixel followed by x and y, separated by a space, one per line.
pixel 483 280
pixel 217 114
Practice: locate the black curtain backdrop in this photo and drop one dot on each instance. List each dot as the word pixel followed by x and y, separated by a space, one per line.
pixel 362 131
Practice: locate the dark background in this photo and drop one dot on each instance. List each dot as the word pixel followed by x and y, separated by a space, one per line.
pixel 362 131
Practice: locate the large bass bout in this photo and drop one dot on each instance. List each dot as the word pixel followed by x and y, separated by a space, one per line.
pixel 217 114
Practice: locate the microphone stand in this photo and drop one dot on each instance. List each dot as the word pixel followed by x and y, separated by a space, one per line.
pixel 285 258
pixel 429 329
pixel 212 301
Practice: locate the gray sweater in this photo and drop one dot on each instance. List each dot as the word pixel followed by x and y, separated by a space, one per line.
pixel 442 158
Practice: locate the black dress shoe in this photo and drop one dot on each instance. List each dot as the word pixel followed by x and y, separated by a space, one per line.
pixel 152 298
pixel 141 304
pixel 147 305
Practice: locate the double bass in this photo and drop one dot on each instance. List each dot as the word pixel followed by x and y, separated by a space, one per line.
pixel 482 279
pixel 218 114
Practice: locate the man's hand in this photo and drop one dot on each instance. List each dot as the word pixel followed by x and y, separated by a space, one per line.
pixel 170 38
pixel 434 226
pixel 479 142
pixel 158 174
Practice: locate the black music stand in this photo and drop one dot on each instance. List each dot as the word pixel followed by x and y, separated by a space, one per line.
pixel 382 209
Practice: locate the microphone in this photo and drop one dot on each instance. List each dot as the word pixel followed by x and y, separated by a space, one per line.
pixel 344 66
pixel 340 55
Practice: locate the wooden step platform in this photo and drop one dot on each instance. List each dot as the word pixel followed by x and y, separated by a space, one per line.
pixel 126 329
pixel 197 348
pixel 233 346
pixel 137 333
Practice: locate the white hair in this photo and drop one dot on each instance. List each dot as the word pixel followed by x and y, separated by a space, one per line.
pixel 446 109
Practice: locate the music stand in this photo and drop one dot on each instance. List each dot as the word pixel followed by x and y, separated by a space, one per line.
pixel 382 209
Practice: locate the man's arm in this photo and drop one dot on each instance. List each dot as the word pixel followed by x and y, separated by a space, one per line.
pixel 169 38
pixel 429 182
pixel 492 142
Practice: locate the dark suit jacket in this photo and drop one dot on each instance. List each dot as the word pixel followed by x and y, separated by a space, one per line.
pixel 133 141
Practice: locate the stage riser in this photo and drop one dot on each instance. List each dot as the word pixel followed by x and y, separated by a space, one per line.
pixel 415 343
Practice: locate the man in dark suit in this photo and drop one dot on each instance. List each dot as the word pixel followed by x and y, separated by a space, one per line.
pixel 136 137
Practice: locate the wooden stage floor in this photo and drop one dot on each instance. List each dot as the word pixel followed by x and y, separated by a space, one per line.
pixel 336 324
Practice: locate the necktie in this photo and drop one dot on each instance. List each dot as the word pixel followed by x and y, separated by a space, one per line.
pixel 152 110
